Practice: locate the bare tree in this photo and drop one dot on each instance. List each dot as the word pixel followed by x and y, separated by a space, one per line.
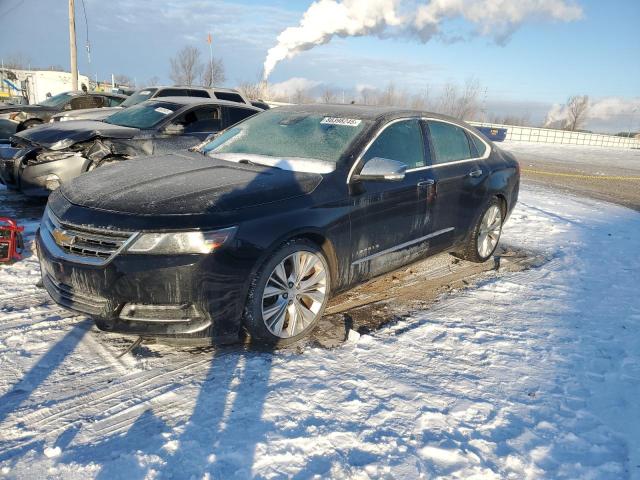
pixel 460 104
pixel 389 96
pixel 329 96
pixel 153 81
pixel 186 66
pixel 213 73
pixel 255 91
pixel 577 109
pixel 301 95
pixel 17 61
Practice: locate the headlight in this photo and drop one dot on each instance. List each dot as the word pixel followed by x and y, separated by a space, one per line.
pixel 181 242
pixel 60 144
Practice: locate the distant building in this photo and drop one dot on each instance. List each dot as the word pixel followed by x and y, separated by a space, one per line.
pixel 36 85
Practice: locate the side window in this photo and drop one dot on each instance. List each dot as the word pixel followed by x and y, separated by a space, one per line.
pixel 203 119
pixel 199 93
pixel 230 97
pixel 113 101
pixel 173 92
pixel 450 143
pixel 85 101
pixel 238 114
pixel 401 141
pixel 481 148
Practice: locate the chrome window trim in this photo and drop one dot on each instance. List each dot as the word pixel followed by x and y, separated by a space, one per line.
pixel 401 246
pixel 486 155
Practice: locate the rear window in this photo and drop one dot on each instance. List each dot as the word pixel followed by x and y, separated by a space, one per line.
pixel 173 92
pixel 199 93
pixel 139 96
pixel 230 97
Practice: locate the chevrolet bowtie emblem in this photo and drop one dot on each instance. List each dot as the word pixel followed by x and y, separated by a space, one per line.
pixel 62 238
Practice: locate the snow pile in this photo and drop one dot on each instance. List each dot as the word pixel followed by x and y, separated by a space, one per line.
pixel 530 375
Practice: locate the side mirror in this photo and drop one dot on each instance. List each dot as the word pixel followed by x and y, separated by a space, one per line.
pixel 174 129
pixel 381 169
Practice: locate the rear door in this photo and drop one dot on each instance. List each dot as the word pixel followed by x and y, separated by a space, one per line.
pixel 389 218
pixel 459 171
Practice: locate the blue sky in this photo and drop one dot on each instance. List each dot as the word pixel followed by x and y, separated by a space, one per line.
pixel 543 62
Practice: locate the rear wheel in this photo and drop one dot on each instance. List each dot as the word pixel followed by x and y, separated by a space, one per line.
pixel 484 238
pixel 289 294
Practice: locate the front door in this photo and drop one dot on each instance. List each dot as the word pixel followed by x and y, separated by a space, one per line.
pixel 389 218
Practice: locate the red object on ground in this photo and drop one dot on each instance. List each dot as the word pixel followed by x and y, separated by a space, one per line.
pixel 11 244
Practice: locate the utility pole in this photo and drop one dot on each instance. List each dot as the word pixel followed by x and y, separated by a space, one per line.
pixel 72 45
pixel 210 41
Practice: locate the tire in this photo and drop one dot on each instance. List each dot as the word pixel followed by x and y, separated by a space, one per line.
pixel 29 124
pixel 485 236
pixel 279 313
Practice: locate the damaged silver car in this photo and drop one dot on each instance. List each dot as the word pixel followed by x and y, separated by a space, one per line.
pixel 40 159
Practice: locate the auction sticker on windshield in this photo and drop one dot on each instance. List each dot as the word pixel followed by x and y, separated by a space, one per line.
pixel 347 122
pixel 164 111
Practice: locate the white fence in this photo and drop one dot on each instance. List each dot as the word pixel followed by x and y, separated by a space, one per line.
pixel 547 135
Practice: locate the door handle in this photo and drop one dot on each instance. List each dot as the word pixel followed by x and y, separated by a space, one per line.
pixel 430 187
pixel 475 173
pixel 427 183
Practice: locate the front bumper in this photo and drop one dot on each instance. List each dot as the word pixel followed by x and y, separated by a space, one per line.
pixel 182 296
pixel 40 179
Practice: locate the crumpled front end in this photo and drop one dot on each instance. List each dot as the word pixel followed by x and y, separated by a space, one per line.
pixel 45 171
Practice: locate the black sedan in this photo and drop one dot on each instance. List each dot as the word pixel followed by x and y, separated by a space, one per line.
pixel 43 158
pixel 28 116
pixel 270 219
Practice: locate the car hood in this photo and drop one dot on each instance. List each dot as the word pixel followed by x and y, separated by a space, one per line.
pixel 90 113
pixel 76 131
pixel 25 108
pixel 185 184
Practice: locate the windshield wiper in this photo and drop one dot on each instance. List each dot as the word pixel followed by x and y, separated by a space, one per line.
pixel 246 161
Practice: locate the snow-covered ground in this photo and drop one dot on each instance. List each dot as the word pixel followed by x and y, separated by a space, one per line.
pixel 530 375
pixel 578 155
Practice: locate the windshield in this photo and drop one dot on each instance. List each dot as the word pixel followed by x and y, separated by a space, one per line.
pixel 287 135
pixel 56 100
pixel 139 96
pixel 144 115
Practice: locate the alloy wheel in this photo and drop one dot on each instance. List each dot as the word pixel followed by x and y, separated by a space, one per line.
pixel 489 232
pixel 294 294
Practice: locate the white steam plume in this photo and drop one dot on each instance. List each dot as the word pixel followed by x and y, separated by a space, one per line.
pixel 326 19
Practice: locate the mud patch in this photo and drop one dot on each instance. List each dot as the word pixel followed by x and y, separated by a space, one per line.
pixel 398 294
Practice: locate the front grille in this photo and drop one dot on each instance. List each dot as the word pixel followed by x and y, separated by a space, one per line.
pixel 72 299
pixel 95 246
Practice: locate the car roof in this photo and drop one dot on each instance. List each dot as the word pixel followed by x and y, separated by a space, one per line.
pixel 78 93
pixel 202 101
pixel 365 112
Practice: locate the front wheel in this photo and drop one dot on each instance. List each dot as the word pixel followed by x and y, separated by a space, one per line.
pixel 289 294
pixel 484 237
